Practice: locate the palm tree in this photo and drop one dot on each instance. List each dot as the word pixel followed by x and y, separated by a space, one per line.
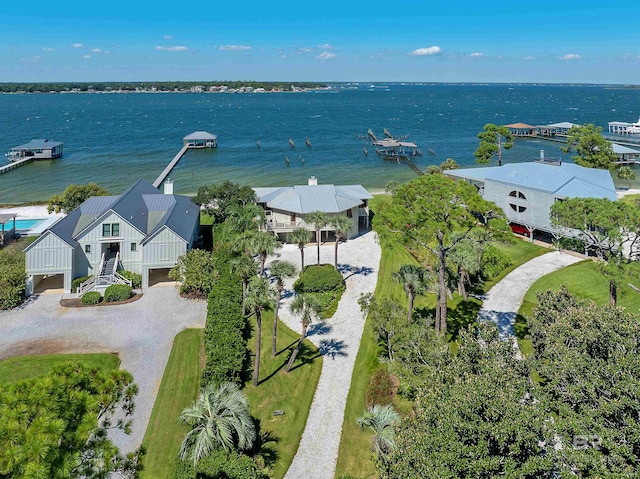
pixel 319 220
pixel 259 298
pixel 245 267
pixel 414 279
pixel 300 237
pixel 381 420
pixel 449 164
pixel 263 244
pixel 307 307
pixel 218 418
pixel 279 270
pixel 341 227
pixel 246 218
pixel 626 173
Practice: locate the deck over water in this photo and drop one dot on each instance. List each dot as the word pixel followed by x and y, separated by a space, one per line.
pixel 15 164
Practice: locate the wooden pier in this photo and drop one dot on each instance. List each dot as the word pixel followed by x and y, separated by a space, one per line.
pixel 170 166
pixel 16 164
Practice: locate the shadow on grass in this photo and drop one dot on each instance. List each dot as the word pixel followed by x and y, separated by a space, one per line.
pixel 465 314
pixel 264 450
pixel 305 356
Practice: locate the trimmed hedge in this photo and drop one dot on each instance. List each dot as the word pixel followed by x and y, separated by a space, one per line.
pixel 221 465
pixel 225 344
pixel 494 261
pixel 75 284
pixel 135 278
pixel 117 292
pixel 319 279
pixel 91 297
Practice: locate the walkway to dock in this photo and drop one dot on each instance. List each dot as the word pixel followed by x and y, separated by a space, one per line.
pixel 170 166
pixel 15 164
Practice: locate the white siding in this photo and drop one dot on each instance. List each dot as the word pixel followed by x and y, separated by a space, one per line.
pixel 49 255
pixel 163 250
pixel 537 204
pixel 131 261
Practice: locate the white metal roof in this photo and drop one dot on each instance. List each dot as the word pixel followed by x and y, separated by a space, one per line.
pixel 304 199
pixel 38 145
pixel 562 124
pixel 200 135
pixel 623 150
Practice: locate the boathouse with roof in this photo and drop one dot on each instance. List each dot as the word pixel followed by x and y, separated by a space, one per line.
pixel 142 230
pixel 286 207
pixel 526 191
pixel 201 139
pixel 38 150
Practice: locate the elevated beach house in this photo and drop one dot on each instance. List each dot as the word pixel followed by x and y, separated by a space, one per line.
pixel 526 191
pixel 140 230
pixel 286 207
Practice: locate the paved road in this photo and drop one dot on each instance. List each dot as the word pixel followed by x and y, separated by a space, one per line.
pixel 502 302
pixel 338 340
pixel 141 333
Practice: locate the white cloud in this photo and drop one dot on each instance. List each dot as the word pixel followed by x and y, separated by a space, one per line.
pixel 86 57
pixel 172 49
pixel 235 48
pixel 283 57
pixel 77 45
pixel 302 51
pixel 477 55
pixel 33 59
pixel 167 37
pixel 422 52
pixel 326 56
pixel 571 56
pixel 528 59
pixel 48 49
pixel 326 46
pixel 96 50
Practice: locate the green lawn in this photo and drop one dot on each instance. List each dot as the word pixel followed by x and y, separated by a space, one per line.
pixel 354 457
pixel 582 280
pixel 290 392
pixel 27 367
pixel 630 199
pixel 178 389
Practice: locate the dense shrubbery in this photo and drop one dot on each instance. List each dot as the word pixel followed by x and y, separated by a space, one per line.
pixel 571 244
pixel 224 342
pixel 195 272
pixel 75 284
pixel 494 261
pixel 218 465
pixel 135 278
pixel 117 292
pixel 91 297
pixel 12 277
pixel 380 389
pixel 318 279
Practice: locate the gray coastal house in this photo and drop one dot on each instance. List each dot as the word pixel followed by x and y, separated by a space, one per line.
pixel 140 230
pixel 286 207
pixel 526 191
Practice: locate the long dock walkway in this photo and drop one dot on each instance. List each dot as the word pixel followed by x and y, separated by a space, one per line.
pixel 15 164
pixel 170 166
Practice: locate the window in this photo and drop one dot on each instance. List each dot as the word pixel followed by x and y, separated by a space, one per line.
pixel 517 194
pixel 87 248
pixel 111 229
pixel 134 246
pixel 349 214
pixel 518 208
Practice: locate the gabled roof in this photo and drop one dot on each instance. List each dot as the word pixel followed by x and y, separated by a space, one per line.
pixel 304 199
pixel 520 126
pixel 141 205
pixel 623 150
pixel 562 124
pixel 563 180
pixel 38 145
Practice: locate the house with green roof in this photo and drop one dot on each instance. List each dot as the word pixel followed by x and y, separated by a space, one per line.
pixel 141 230
pixel 526 191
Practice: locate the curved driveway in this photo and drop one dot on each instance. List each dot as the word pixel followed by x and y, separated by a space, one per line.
pixel 141 333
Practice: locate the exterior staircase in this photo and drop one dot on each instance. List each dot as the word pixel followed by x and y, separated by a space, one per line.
pixel 107 275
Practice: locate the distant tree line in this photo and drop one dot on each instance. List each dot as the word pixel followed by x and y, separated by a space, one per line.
pixel 159 85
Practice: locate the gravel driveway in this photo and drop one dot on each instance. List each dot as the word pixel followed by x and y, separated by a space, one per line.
pixel 141 333
pixel 502 302
pixel 338 340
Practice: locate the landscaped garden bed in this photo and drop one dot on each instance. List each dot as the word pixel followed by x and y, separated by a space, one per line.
pixel 77 302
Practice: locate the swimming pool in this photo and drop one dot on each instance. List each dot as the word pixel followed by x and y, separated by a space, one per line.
pixel 22 225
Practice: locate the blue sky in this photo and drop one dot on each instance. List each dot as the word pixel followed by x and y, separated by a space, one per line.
pixel 465 41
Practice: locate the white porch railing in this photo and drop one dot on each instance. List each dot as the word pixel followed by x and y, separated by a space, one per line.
pixel 85 286
pixel 103 280
pixel 284 226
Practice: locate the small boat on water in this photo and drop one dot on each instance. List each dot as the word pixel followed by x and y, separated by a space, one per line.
pixel 306 140
pixel 293 145
pixel 634 128
pixel 258 144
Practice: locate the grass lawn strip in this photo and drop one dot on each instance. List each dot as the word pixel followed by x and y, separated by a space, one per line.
pixel 178 389
pixel 289 392
pixel 28 367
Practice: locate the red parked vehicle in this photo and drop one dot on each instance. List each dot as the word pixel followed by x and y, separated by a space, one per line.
pixel 519 229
